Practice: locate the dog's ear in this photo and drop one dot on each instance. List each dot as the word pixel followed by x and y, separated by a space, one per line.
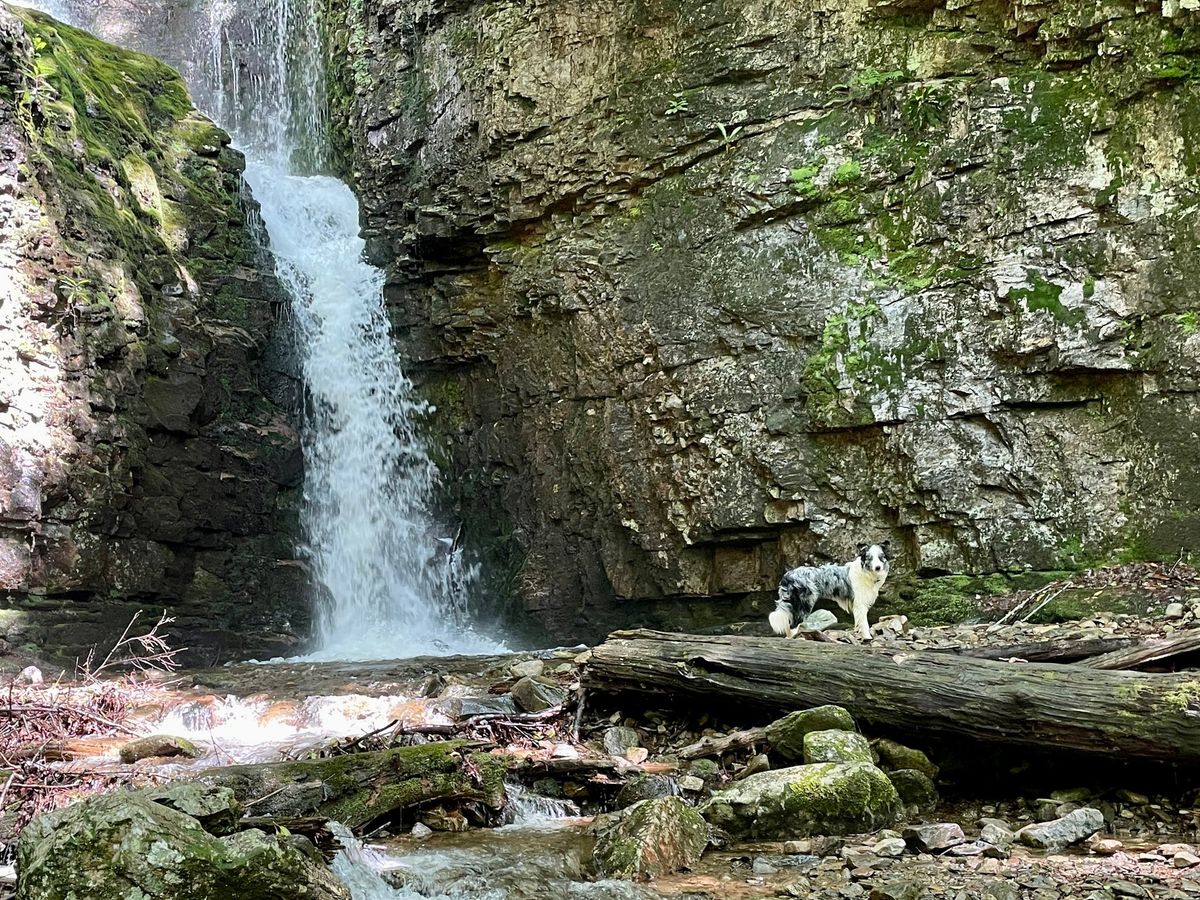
pixel 862 548
pixel 887 548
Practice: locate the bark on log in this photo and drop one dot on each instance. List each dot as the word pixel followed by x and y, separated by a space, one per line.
pixel 358 788
pixel 1062 650
pixel 1147 653
pixel 918 693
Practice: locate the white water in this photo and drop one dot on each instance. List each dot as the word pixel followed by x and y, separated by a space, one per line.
pixel 388 582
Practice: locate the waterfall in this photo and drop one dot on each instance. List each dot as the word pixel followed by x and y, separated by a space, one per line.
pixel 389 583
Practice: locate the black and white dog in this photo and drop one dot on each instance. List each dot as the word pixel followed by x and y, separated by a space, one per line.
pixel 853 586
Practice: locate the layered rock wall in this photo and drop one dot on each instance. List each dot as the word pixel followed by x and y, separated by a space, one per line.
pixel 706 288
pixel 146 460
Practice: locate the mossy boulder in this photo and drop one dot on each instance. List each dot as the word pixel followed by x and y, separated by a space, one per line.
pixel 215 808
pixel 823 798
pixel 158 745
pixel 835 745
pixel 126 845
pixel 894 756
pixel 916 789
pixel 786 735
pixel 650 839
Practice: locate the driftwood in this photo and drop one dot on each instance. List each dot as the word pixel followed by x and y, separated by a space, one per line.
pixel 359 788
pixel 719 745
pixel 1062 650
pixel 1147 653
pixel 920 693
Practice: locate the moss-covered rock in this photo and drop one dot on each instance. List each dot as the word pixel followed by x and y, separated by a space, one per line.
pixel 894 755
pixel 915 789
pixel 786 735
pixel 836 746
pixel 158 745
pixel 215 808
pixel 125 845
pixel 825 798
pixel 650 839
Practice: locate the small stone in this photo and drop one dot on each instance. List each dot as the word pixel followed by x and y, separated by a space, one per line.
pixel 761 867
pixel 528 668
pixel 1185 860
pixel 691 783
pixel 1106 846
pixel 618 739
pixel 825 845
pixel 801 848
pixel 583 658
pixel 1169 850
pixel 995 835
pixel 564 751
pixel 31 675
pixel 1132 797
pixel 158 745
pixel 890 847
pixel 420 831
pixel 1126 889
pixel 1174 611
pixel 858 858
pixel 755 765
pixel 637 755
pixel 972 848
pixel 938 836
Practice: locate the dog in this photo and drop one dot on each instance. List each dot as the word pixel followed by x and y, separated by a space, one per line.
pixel 854 586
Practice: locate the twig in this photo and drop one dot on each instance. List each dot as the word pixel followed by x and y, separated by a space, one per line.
pixel 264 797
pixel 65 711
pixel 7 784
pixel 1029 615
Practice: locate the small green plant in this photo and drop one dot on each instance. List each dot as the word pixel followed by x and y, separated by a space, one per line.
pixel 678 105
pixel 1189 322
pixel 728 134
pixel 656 246
pixel 75 291
pixel 847 173
pixel 927 107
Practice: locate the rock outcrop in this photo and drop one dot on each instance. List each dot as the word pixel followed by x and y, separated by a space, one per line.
pixel 146 461
pixel 705 289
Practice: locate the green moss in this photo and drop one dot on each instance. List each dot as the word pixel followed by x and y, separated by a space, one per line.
pixel 1044 295
pixel 847 173
pixel 1189 322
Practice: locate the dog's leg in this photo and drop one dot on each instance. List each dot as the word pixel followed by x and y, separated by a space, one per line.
pixel 861 625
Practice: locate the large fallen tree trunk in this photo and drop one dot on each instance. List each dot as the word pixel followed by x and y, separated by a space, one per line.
pixel 918 693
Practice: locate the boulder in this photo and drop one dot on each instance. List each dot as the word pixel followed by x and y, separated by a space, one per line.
pixel 836 746
pixel 126 845
pixel 650 839
pixel 786 735
pixel 215 808
pixel 528 668
pixel 534 695
pixel 154 745
pixel 915 788
pixel 1058 833
pixel 895 756
pixel 823 798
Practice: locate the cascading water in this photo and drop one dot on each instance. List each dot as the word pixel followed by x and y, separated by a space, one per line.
pixel 388 585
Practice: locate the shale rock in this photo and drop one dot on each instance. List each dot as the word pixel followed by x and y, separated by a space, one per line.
pixel 125 845
pixel 650 839
pixel 534 694
pixel 1070 829
pixel 824 798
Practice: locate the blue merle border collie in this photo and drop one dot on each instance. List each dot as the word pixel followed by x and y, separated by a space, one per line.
pixel 854 586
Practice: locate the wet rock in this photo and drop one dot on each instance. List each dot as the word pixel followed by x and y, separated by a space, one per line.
pixel 1070 829
pixel 650 839
pixel 896 756
pixel 915 788
pixel 824 798
pixel 618 739
pixel 125 845
pixel 534 695
pixel 934 837
pixel 440 819
pixel 786 735
pixel 1105 846
pixel 836 746
pixel 761 867
pixel 420 831
pixel 158 745
pixel 482 705
pixel 30 675
pixel 215 808
pixel 528 668
pixel 646 787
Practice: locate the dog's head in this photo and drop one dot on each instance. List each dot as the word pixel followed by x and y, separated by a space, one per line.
pixel 874 558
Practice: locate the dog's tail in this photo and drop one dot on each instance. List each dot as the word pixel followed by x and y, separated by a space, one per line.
pixel 793 601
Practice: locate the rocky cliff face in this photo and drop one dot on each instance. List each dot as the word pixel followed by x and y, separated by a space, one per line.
pixel 142 465
pixel 705 288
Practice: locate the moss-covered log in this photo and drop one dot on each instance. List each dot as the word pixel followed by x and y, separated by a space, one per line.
pixel 359 788
pixel 927 694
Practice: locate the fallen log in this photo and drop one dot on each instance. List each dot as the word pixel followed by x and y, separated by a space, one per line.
pixel 1147 653
pixel 359 788
pixel 919 693
pixel 1061 650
